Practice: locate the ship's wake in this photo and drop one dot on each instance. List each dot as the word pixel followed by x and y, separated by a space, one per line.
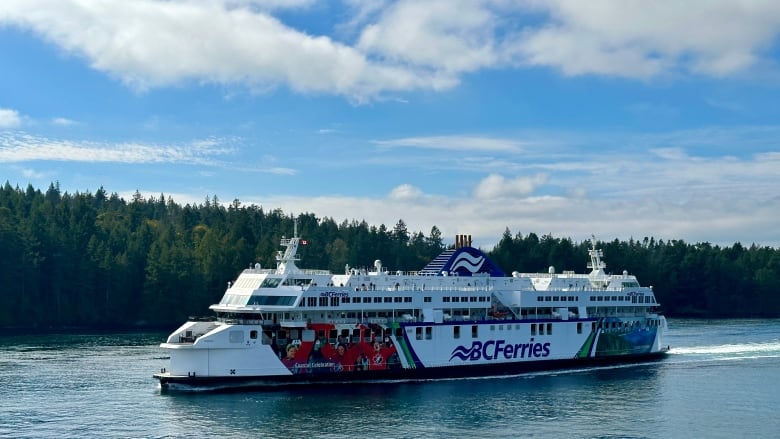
pixel 769 347
pixel 725 352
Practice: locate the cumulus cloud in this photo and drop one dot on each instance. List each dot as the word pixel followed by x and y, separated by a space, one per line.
pixel 659 201
pixel 149 43
pixel 676 185
pixel 404 45
pixel 446 35
pixel 497 186
pixel 642 39
pixel 9 118
pixel 405 192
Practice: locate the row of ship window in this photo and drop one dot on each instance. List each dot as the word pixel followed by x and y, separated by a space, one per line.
pixel 632 299
pixel 537 329
pixel 336 301
pixel 426 332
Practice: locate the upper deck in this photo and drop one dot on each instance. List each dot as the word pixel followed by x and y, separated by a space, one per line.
pixel 384 293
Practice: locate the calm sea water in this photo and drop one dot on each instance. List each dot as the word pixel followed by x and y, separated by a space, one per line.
pixel 722 380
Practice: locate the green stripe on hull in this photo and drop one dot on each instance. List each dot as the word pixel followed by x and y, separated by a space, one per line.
pixel 404 347
pixel 585 349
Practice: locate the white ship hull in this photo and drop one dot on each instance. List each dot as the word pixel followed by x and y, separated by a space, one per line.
pixel 506 348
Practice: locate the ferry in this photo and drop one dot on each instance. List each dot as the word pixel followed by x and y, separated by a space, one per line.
pixel 459 316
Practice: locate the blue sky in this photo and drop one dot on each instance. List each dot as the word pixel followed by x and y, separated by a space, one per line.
pixel 615 118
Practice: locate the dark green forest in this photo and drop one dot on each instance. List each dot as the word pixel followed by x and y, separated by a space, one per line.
pixel 94 260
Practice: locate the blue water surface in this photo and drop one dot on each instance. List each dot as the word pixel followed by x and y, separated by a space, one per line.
pixel 721 380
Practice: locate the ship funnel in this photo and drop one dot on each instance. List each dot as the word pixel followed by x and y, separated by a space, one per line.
pixel 462 241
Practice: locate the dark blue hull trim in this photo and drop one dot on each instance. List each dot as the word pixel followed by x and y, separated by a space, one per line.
pixel 169 382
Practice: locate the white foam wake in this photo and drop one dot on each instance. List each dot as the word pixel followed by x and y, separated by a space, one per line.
pixel 769 347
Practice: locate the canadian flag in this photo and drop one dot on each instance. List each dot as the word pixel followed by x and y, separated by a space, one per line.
pixel 303 242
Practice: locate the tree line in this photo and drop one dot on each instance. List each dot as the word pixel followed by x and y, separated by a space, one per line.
pixel 96 260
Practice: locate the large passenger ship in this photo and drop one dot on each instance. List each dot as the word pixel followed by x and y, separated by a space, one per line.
pixel 460 316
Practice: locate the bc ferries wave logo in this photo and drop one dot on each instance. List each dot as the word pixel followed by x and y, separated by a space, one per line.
pixel 496 349
pixel 469 262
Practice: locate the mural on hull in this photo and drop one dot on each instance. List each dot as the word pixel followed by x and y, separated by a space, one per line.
pixel 330 348
pixel 365 347
pixel 610 340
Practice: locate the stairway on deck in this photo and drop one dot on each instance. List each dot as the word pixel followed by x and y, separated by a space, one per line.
pixel 434 267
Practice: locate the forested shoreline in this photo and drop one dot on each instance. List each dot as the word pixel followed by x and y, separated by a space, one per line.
pixel 97 261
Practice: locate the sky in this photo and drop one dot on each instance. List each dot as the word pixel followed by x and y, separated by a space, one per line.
pixel 620 119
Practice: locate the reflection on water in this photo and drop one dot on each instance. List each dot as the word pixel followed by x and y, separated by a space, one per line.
pixel 722 379
pixel 498 405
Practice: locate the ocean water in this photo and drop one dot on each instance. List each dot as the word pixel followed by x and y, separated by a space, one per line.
pixel 721 380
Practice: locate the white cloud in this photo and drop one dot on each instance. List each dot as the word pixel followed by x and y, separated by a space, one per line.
pixel 459 143
pixel 496 186
pixel 446 35
pixel 9 118
pixel 150 43
pixel 668 192
pixel 32 174
pixel 641 39
pixel 710 215
pixel 21 147
pixel 405 192
pixel 61 121
pixel 399 46
pixel 267 5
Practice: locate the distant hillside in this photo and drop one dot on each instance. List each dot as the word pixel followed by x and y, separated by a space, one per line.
pixel 99 261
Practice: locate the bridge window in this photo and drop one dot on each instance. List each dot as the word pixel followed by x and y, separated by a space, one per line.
pixel 297 282
pixel 270 282
pixel 272 300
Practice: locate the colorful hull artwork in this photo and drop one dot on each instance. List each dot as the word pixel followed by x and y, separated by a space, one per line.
pixel 322 356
